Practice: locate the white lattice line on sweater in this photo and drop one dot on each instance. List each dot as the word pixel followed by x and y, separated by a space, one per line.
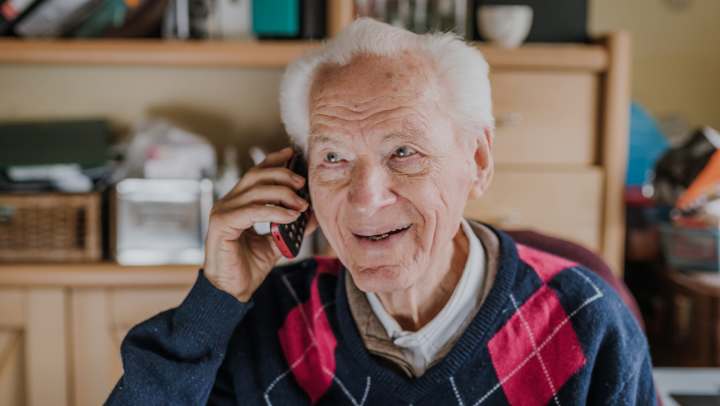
pixel 582 275
pixel 535 349
pixel 346 391
pixel 284 374
pixel 598 294
pixel 319 311
pixel 314 343
pixel 455 390
pixel 295 297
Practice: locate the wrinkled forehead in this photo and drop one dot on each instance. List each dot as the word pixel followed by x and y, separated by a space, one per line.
pixel 370 91
pixel 368 78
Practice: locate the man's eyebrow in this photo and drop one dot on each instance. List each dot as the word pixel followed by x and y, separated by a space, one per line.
pixel 406 136
pixel 323 139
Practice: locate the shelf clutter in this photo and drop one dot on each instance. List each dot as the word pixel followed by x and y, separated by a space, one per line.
pixel 253 33
pixel 181 19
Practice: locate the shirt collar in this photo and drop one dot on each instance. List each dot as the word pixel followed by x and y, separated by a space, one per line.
pixel 431 338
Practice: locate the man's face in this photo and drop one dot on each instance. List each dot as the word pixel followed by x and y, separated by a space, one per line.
pixel 389 174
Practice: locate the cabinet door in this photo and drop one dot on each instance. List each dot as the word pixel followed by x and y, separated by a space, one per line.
pixel 33 355
pixel 101 317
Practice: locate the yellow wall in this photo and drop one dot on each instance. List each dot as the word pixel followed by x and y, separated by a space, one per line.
pixel 676 54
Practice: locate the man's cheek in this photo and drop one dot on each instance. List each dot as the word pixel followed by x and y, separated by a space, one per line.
pixel 327 212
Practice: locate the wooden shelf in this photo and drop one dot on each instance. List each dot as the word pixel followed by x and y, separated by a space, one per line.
pixel 247 54
pixel 260 54
pixel 535 56
pixel 95 274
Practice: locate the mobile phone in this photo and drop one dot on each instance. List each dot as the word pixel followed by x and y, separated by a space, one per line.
pixel 289 237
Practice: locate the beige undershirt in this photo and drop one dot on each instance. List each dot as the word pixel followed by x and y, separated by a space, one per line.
pixel 375 336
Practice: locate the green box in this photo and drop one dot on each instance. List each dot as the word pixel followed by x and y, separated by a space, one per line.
pixel 276 18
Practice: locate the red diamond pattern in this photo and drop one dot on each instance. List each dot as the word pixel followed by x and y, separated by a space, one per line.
pixel 536 351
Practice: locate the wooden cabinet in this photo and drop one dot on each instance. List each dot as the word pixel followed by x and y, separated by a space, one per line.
pixel 101 317
pixel 33 344
pixel 560 147
pixel 61 326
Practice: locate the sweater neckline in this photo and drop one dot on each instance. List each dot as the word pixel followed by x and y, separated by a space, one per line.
pixel 474 338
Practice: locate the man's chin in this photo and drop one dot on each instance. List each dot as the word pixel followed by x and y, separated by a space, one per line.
pixel 380 279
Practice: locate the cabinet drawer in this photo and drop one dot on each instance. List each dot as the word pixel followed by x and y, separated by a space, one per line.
pixel 562 203
pixel 545 117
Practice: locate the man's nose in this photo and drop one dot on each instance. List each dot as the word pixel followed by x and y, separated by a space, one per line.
pixel 370 188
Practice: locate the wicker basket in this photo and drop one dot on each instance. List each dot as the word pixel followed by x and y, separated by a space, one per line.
pixel 50 227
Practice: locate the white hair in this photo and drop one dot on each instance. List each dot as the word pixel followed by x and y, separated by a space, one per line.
pixel 458 65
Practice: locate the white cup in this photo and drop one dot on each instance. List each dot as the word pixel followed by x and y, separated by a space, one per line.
pixel 506 26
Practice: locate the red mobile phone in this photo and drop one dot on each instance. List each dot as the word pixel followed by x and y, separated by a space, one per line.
pixel 288 237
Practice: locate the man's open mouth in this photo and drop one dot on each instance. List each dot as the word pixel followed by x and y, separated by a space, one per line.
pixel 385 234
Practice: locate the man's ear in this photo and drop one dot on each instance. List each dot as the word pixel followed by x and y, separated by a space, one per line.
pixel 484 164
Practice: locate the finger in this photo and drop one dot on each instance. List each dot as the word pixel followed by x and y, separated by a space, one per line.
pixel 277 158
pixel 233 222
pixel 273 194
pixel 276 175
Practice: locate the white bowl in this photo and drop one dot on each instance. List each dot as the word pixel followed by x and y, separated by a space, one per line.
pixel 506 26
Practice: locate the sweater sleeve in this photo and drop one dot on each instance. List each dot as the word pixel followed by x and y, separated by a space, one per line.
pixel 174 357
pixel 622 367
pixel 638 389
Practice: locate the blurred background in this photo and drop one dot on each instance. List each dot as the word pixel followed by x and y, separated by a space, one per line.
pixel 121 121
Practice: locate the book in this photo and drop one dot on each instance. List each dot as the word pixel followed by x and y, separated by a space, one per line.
pixel 229 19
pixel 312 19
pixel 13 11
pixel 47 19
pixel 276 18
pixel 144 19
pixel 110 13
pixel 78 17
pixel 200 13
pixel 176 23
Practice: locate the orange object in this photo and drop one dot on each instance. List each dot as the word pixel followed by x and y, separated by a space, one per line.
pixel 705 183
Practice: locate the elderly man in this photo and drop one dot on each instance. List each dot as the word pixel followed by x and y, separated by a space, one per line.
pixel 421 307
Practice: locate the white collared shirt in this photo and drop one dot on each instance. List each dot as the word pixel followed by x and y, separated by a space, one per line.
pixel 424 345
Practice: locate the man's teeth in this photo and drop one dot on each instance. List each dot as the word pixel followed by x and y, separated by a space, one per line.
pixel 383 236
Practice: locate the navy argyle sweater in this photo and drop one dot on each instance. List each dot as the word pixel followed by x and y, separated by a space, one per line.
pixel 549 332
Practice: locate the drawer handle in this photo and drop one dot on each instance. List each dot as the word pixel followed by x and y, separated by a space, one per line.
pixel 508 119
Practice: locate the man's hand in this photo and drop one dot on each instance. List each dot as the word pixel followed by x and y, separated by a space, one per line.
pixel 237 260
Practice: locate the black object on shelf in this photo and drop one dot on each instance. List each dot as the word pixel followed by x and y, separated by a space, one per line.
pixel 312 19
pixel 553 20
pixel 13 11
pixel 84 142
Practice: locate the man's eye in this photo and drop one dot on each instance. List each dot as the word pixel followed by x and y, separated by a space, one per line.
pixel 332 157
pixel 404 152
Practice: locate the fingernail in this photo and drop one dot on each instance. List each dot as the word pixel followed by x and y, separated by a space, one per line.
pixel 298 179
